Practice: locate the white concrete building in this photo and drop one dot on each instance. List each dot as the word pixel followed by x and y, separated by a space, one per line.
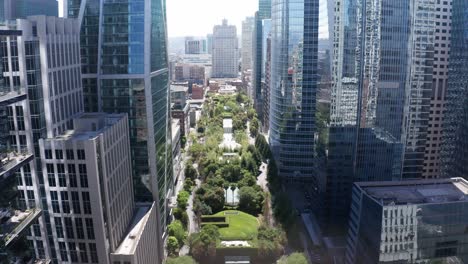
pixel 88 184
pixel 138 245
pixel 247 40
pixel 42 60
pixel 225 51
pixel 89 190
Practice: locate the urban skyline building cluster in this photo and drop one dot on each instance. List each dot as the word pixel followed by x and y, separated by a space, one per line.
pixel 372 123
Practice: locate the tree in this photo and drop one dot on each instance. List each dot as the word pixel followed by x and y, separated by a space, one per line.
pixel 250 200
pixel 203 244
pixel 214 198
pixel 190 172
pixel 262 146
pixel 231 172
pixel 177 230
pixel 182 200
pixel 201 208
pixel 216 181
pixel 180 214
pixel 181 260
pixel 196 150
pixel 247 180
pixel 188 184
pixel 172 246
pixel 255 154
pixel 248 163
pixel 294 258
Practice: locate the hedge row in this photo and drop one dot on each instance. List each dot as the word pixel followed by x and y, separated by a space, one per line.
pixel 211 219
pixel 218 224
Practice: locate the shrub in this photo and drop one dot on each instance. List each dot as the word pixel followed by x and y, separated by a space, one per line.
pixel 172 246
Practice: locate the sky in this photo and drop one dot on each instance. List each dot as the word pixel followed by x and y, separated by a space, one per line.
pixel 197 17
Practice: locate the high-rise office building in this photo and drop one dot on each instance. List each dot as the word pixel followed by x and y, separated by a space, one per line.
pixel 195 46
pixel 262 29
pixel 125 70
pixel 89 192
pixel 380 103
pixel 293 123
pixel 443 21
pixel 414 221
pixel 42 61
pixel 247 35
pixel 225 51
pixel 266 85
pixel 13 9
pixel 455 129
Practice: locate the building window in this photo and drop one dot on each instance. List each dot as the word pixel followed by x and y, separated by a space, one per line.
pixel 31 199
pixel 86 203
pixel 89 228
pixel 72 176
pixel 79 228
pixel 48 154
pixel 65 202
pixel 81 154
pixel 58 154
pixel 58 227
pixel 51 175
pixel 61 175
pixel 40 249
pixel 69 228
pixel 76 203
pixel 73 254
pixel 70 155
pixel 83 175
pixel 93 251
pixel 63 251
pixel 27 175
pixel 55 202
pixel 37 230
pixel 83 254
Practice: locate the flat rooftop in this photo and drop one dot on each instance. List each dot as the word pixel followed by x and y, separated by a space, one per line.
pixel 179 88
pixel 90 125
pixel 130 242
pixel 417 191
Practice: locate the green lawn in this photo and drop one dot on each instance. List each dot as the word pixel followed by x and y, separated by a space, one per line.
pixel 242 226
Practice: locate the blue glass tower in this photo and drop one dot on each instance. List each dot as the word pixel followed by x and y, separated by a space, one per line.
pixel 125 70
pixel 293 107
pixel 455 137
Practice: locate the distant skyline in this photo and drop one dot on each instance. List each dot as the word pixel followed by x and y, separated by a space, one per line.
pixel 198 17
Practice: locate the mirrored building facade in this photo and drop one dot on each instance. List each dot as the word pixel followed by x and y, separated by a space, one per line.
pixel 380 101
pixel 455 138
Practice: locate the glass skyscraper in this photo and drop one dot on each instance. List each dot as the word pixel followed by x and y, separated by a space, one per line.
pixel 293 109
pixel 382 72
pixel 258 53
pixel 13 9
pixel 455 137
pixel 125 70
